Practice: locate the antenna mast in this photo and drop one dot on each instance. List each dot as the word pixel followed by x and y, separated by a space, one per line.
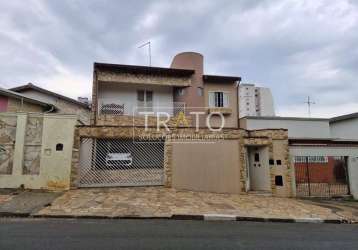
pixel 149 51
pixel 309 103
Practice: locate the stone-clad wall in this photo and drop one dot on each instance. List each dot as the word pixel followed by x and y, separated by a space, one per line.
pixel 7 142
pixel 276 140
pixel 127 120
pixel 132 132
pixel 106 76
pixel 33 140
pixel 32 155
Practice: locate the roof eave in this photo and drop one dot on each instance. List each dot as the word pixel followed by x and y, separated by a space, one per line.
pixel 45 91
pixel 138 69
pixel 221 79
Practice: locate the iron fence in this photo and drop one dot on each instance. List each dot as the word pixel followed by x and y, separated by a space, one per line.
pixel 121 162
pixel 318 176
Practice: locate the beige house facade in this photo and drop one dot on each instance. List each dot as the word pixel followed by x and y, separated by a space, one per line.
pixel 176 127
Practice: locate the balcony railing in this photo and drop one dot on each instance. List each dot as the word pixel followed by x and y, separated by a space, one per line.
pixel 108 107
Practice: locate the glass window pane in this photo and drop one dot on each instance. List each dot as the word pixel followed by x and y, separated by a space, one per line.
pixel 140 95
pixel 149 96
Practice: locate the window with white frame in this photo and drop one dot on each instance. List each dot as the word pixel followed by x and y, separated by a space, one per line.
pixel 218 99
pixel 311 159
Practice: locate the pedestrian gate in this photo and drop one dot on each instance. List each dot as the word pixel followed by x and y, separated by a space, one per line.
pixel 121 162
pixel 321 176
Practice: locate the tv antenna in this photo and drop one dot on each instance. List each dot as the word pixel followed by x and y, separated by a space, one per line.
pixel 309 102
pixel 149 51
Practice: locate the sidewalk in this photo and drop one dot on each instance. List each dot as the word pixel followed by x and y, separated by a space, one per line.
pixel 24 203
pixel 168 203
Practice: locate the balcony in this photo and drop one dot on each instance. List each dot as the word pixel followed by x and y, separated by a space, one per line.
pixel 222 110
pixel 137 108
pixel 128 113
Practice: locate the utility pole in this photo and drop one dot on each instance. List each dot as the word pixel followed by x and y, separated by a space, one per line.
pixel 309 103
pixel 149 51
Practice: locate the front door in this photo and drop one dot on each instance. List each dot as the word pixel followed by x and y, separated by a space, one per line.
pixel 259 172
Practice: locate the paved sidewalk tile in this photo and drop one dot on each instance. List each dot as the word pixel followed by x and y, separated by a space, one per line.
pixel 165 202
pixel 26 202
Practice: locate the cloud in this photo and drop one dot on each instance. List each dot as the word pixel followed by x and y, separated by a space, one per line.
pixel 297 47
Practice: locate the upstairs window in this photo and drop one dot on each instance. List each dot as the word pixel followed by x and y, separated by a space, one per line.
pixel 218 99
pixel 145 100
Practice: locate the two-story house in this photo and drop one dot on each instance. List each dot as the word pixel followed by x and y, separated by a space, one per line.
pixel 121 91
pixel 176 127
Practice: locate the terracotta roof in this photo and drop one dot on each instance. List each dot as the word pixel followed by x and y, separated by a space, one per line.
pixel 136 69
pixel 19 96
pixel 31 86
pixel 221 79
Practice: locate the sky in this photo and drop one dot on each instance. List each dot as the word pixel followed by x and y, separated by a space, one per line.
pixel 295 47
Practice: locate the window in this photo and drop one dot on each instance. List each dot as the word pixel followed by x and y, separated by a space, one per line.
pixel 311 159
pixel 278 180
pixel 200 91
pixel 59 147
pixel 278 162
pixel 180 92
pixel 145 100
pixel 218 99
pixel 272 162
pixel 257 157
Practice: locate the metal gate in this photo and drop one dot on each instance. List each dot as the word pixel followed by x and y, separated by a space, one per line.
pixel 120 162
pixel 321 176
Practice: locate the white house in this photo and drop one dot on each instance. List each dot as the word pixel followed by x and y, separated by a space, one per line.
pixel 321 150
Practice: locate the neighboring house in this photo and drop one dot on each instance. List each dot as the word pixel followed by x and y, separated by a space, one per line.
pixel 64 105
pixel 344 127
pixel 324 151
pixel 11 101
pixel 117 149
pixel 255 101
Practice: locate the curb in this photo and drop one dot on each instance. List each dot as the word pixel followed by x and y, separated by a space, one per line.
pixel 14 214
pixel 204 217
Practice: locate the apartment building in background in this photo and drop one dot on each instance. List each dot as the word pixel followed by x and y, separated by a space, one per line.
pixel 255 101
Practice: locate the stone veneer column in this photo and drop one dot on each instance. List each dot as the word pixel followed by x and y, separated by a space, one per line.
pixel 168 160
pixel 19 144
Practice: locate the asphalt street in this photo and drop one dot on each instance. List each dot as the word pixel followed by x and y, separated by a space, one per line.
pixel 172 234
